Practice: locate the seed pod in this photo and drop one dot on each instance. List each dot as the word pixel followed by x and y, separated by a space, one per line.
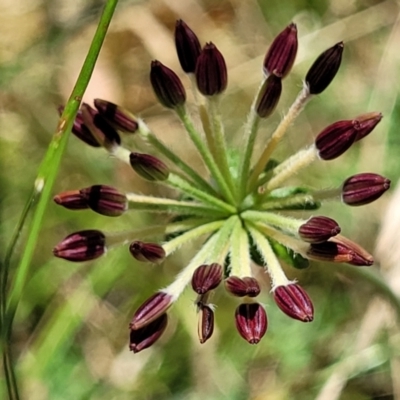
pixel 251 322
pixel 293 300
pixel 71 199
pixel 149 167
pixel 166 85
pixel 187 46
pixel 147 252
pixel 269 96
pixel 282 52
pixel 206 278
pixel 318 229
pixel 211 73
pixel 324 69
pixel 240 287
pixel 205 326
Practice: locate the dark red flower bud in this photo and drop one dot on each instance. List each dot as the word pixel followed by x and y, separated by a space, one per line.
pixel 100 129
pixel 364 124
pixel 81 246
pixel 80 130
pixel 105 200
pixel 364 188
pixel 147 252
pixel 251 322
pixel 293 300
pixel 341 250
pixel 149 167
pixel 241 287
pixel 205 326
pixel 117 116
pixel 187 46
pixel 269 96
pixel 211 73
pixel 282 52
pixel 206 277
pixel 145 337
pixel 324 69
pixel 335 139
pixel 166 85
pixel 318 229
pixel 72 199
pixel 150 310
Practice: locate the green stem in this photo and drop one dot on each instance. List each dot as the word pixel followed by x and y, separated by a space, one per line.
pixel 177 161
pixel 46 177
pixel 206 155
pixel 250 134
pixel 157 204
pixel 190 235
pixel 239 252
pixel 182 185
pixel 218 136
pixel 276 137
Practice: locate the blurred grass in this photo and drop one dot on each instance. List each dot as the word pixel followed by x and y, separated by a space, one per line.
pixel 71 334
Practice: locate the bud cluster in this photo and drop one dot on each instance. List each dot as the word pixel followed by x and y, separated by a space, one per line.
pixel 237 211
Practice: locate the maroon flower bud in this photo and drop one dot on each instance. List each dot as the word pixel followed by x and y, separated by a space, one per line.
pixel 117 116
pixel 282 52
pixel 166 85
pixel 206 277
pixel 71 199
pixel 251 322
pixel 205 326
pixel 364 188
pixel 150 310
pixel 324 69
pixel 81 246
pixel 211 73
pixel 293 300
pixel 241 287
pixel 81 131
pixel 318 229
pixel 341 250
pixel 100 129
pixel 105 200
pixel 364 124
pixel 187 46
pixel 147 252
pixel 269 96
pixel 335 139
pixel 145 337
pixel 149 167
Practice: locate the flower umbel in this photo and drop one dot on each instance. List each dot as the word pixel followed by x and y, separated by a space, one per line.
pixel 238 209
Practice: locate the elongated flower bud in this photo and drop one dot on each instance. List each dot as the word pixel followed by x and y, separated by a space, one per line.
pixel 105 200
pixel 251 322
pixel 101 130
pixel 364 188
pixel 324 69
pixel 205 326
pixel 150 310
pixel 145 337
pixel 364 124
pixel 293 300
pixel 166 85
pixel 335 139
pixel 206 278
pixel 149 167
pixel 342 250
pixel 81 246
pixel 72 200
pixel 147 252
pixel 211 73
pixel 187 46
pixel 318 229
pixel 119 117
pixel 282 52
pixel 241 287
pixel 269 96
pixel 80 130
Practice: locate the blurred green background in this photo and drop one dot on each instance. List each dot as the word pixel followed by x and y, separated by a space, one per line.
pixel 70 336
